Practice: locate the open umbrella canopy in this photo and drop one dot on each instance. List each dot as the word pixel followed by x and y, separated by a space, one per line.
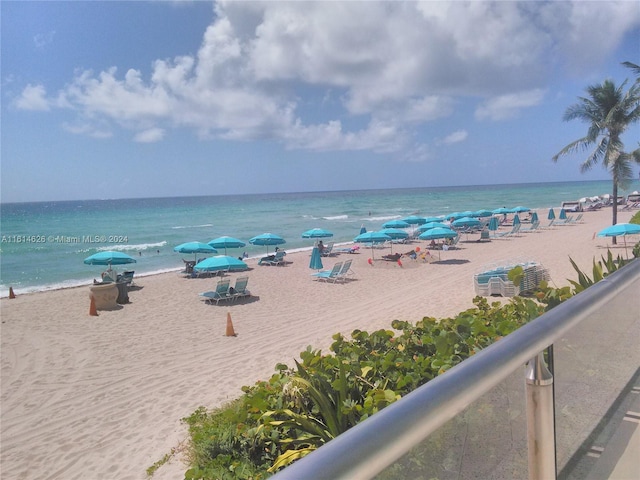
pixel 394 233
pixel 226 242
pixel 466 222
pixel 520 209
pixel 437 234
pixel 372 238
pixel 316 259
pixel 267 239
pixel 194 247
pixel 482 213
pixel 220 262
pixel 456 215
pixel 551 215
pixel 430 225
pixel 317 233
pixel 414 220
pixel 620 230
pixel 501 211
pixel 439 218
pixel 109 258
pixel 396 224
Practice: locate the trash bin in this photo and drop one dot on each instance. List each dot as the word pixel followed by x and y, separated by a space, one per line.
pixel 123 293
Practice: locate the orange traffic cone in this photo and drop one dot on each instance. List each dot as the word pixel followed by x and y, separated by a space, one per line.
pixel 230 332
pixel 92 308
pixel 11 294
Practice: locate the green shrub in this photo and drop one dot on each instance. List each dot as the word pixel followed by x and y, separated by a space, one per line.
pixel 298 409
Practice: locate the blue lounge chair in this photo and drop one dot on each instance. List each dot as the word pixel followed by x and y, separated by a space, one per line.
pixel 329 275
pixel 220 293
pixel 240 288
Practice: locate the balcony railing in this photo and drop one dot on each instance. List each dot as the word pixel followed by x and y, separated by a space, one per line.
pixel 471 422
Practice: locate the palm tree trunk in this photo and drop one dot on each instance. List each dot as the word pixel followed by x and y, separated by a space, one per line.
pixel 615 208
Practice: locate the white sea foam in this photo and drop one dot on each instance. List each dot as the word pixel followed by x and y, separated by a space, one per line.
pixel 337 217
pixel 193 226
pixel 126 247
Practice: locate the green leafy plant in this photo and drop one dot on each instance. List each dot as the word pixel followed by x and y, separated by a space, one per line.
pixel 298 409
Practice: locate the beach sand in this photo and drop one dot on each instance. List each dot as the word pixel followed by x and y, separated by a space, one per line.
pixel 103 397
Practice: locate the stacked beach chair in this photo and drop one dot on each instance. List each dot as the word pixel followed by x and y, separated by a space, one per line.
pixel 495 281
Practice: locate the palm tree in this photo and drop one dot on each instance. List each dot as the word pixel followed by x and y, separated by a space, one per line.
pixel 609 111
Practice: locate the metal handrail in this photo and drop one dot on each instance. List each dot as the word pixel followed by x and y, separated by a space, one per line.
pixel 371 446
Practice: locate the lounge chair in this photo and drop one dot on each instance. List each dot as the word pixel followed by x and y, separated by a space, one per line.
pixel 220 293
pixel 239 290
pixel 393 257
pixel 328 250
pixel 127 278
pixel 276 259
pixel 329 275
pixel 533 228
pixel 344 271
pixel 513 232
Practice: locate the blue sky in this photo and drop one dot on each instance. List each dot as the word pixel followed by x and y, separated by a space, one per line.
pixel 172 98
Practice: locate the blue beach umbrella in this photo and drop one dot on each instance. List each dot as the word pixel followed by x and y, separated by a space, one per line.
pixel 316 259
pixel 501 211
pixel 414 220
pixel 430 225
pixel 551 215
pixel 621 230
pixel 109 258
pixel 437 233
pixel 516 219
pixel 267 239
pixel 220 263
pixel 317 233
pixel 395 234
pixel 226 242
pixel 482 213
pixel 372 238
pixel 362 230
pixel 493 224
pixel 563 214
pixel 534 217
pixel 396 224
pixel 195 248
pixel 434 219
pixel 520 209
pixel 466 222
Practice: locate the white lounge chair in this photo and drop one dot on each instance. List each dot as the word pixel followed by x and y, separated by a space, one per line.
pixel 329 275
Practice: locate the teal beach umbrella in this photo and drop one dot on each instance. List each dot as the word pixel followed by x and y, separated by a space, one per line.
pixel 109 258
pixel 316 259
pixel 220 263
pixel 226 242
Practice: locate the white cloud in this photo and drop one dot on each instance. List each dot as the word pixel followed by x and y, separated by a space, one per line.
pixel 33 97
pixel 149 136
pixel 455 137
pixel 392 65
pixel 507 106
pixel 43 39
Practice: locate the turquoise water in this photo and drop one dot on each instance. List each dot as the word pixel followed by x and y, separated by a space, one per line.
pixel 44 243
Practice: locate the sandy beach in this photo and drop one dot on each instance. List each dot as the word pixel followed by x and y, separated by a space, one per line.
pixel 103 397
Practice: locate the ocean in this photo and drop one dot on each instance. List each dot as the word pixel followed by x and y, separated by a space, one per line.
pixel 44 243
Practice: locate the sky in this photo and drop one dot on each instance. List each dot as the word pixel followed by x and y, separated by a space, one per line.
pixel 124 99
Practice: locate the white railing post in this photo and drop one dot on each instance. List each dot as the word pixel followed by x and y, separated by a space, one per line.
pixel 540 420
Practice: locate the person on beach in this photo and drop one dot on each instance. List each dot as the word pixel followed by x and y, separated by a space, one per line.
pixel 320 247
